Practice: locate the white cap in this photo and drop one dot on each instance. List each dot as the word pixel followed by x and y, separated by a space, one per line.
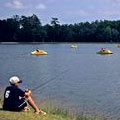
pixel 14 80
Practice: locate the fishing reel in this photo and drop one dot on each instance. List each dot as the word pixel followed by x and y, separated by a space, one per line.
pixel 28 91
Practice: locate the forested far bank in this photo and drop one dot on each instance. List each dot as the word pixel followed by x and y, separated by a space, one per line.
pixel 30 29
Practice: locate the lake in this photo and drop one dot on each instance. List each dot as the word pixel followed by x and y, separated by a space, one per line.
pixel 74 79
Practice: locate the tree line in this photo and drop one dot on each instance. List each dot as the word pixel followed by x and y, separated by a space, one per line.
pixel 30 29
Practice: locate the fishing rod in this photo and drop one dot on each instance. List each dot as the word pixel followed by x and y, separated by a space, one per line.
pixel 50 80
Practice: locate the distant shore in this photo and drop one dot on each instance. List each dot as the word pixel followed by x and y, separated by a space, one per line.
pixel 10 43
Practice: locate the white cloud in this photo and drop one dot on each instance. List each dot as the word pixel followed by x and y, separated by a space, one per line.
pixel 106 13
pixel 51 1
pixel 93 13
pixel 115 1
pixel 41 6
pixel 81 12
pixel 15 4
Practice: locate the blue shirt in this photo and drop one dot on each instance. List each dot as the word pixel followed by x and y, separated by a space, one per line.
pixel 12 97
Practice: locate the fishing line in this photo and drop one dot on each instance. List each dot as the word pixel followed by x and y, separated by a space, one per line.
pixel 48 81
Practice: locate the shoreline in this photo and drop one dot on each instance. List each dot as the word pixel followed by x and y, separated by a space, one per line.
pixel 52 113
pixel 15 43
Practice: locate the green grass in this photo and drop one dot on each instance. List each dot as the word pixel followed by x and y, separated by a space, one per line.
pixel 55 114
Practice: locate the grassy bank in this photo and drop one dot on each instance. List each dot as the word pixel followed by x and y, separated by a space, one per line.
pixel 51 115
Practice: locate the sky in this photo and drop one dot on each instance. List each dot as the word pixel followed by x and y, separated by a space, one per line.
pixel 67 11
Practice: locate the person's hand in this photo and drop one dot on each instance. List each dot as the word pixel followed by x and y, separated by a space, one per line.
pixel 28 92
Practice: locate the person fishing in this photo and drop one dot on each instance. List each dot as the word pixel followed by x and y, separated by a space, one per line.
pixel 16 99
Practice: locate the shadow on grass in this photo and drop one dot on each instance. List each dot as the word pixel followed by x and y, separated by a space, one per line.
pixel 1 109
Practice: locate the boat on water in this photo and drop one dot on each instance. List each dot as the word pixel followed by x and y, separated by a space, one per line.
pixel 73 46
pixel 105 51
pixel 38 52
pixel 118 46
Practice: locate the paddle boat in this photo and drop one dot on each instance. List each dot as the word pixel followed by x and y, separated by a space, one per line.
pixel 104 51
pixel 38 52
pixel 118 46
pixel 73 46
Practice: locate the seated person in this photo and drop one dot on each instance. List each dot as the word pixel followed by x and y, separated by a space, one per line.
pixel 103 49
pixel 16 99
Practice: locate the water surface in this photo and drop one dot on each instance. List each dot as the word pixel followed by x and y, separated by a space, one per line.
pixel 81 80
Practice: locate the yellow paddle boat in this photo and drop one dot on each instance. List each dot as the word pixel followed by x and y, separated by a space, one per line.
pixel 73 46
pixel 105 51
pixel 38 52
pixel 118 46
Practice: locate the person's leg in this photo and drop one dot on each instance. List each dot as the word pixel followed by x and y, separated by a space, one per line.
pixel 34 106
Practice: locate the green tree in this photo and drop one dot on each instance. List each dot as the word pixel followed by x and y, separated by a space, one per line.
pixel 108 34
pixel 9 29
pixel 55 29
pixel 31 28
pixel 115 35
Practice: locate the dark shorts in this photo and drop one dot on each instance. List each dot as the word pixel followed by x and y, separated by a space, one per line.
pixel 19 106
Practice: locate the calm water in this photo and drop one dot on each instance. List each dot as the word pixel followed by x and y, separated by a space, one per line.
pixel 81 80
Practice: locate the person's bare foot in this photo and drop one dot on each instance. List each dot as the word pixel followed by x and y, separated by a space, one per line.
pixel 40 112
